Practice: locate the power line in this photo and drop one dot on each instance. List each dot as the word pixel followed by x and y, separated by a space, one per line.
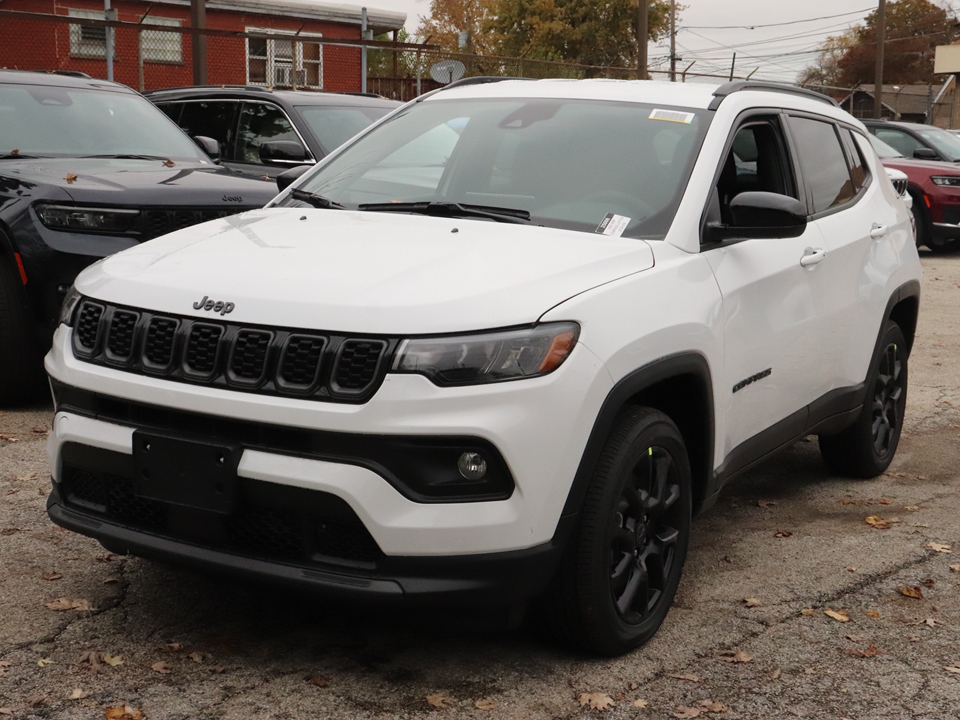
pixel 777 24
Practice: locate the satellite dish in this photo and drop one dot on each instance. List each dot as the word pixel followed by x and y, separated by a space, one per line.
pixel 447 71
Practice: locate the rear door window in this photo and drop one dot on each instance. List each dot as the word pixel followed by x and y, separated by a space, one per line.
pixel 823 163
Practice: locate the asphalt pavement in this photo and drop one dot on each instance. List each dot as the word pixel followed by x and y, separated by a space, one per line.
pixel 804 596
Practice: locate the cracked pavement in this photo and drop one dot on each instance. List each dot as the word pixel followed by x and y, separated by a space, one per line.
pixel 232 650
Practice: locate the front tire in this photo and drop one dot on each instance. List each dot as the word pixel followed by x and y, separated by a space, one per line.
pixel 866 448
pixel 622 567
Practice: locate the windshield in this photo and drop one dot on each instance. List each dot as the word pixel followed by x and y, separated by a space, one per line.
pixel 569 163
pixel 43 120
pixel 882 149
pixel 333 126
pixel 947 143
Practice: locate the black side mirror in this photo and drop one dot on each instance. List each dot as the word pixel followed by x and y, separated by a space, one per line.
pixel 283 151
pixel 287 177
pixel 925 154
pixel 760 215
pixel 210 146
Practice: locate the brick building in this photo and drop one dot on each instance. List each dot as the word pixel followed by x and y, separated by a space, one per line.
pixel 155 55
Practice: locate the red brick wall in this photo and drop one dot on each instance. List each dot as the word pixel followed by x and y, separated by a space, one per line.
pixel 45 45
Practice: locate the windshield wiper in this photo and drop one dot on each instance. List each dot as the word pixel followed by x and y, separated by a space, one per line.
pixel 125 156
pixel 317 201
pixel 452 209
pixel 17 156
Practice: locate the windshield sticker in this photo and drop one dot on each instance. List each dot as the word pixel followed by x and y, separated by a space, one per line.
pixel 672 116
pixel 613 225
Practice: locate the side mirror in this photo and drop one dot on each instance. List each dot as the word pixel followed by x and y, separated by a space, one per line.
pixel 925 154
pixel 283 151
pixel 210 146
pixel 287 177
pixel 760 215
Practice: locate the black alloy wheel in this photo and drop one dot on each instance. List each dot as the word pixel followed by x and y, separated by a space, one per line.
pixel 867 447
pixel 622 566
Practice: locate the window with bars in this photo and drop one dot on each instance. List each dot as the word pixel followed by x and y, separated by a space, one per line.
pixel 161 46
pixel 277 62
pixel 88 41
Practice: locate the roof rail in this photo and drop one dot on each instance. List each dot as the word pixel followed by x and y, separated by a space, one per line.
pixel 68 73
pixel 737 85
pixel 479 80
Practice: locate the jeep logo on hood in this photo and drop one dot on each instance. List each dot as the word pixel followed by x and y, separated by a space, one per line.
pixel 218 306
pixel 233 198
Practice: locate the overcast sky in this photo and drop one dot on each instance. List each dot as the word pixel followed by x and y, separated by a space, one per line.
pixel 777 53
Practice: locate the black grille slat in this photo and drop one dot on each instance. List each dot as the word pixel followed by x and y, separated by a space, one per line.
pixel 301 360
pixel 357 364
pixel 88 325
pixel 159 342
pixel 203 349
pixel 248 361
pixel 120 336
pixel 310 364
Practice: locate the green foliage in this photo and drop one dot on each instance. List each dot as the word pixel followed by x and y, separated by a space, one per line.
pixel 380 63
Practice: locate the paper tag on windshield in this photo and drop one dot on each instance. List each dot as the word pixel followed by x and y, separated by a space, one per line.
pixel 613 225
pixel 672 116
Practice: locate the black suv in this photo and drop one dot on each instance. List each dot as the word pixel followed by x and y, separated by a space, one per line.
pixel 262 132
pixel 913 140
pixel 88 168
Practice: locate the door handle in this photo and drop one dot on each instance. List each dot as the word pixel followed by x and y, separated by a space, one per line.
pixel 813 256
pixel 878 231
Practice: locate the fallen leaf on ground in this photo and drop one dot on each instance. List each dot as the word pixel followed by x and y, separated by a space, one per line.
pixel 775 675
pixel 43 662
pixel 8 438
pixel 69 604
pixel 319 681
pixel 161 667
pixel 932 622
pixel 124 712
pixel 6 711
pixel 216 669
pixel 199 657
pixel 955 668
pixel 868 653
pixel 955 568
pixel 37 701
pixel 873 614
pixel 735 656
pixel 839 616
pixel 52 576
pixel 780 534
pixel 940 548
pixel 78 694
pixel 882 501
pixel 687 677
pixel 631 686
pixel 810 671
pixel 92 658
pixel 640 703
pixel 880 523
pixel 854 638
pixel 40 431
pixel 596 701
pixel 171 648
pixel 913 592
pixel 751 602
pixel 911 507
pixel 485 704
pixel 765 503
pixel 70 178
pixel 686 712
pixel 438 701
pixel 714 706
pixel 112 660
pixel 928 582
pixel 808 612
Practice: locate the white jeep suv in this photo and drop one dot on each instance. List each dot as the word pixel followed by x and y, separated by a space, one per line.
pixel 498 348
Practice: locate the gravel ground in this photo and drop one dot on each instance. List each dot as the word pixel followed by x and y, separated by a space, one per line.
pixel 748 636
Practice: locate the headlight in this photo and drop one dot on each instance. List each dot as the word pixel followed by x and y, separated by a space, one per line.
pixel 70 301
pixel 489 357
pixel 949 181
pixel 80 219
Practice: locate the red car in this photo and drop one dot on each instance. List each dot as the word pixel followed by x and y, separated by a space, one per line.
pixel 935 189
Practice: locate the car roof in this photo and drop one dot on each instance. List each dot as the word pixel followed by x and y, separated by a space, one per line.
pixel 58 79
pixel 895 123
pixel 292 97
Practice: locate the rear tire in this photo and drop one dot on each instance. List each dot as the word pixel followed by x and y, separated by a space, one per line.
pixel 866 448
pixel 20 359
pixel 622 567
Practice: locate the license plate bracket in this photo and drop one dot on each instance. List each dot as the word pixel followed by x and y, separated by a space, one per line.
pixel 186 472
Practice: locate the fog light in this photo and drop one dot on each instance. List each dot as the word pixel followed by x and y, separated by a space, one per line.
pixel 472 465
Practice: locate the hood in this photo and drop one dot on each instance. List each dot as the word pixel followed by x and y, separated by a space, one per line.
pixel 141 182
pixel 931 166
pixel 378 273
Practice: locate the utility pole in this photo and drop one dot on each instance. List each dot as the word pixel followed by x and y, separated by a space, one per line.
pixel 109 13
pixel 643 7
pixel 673 40
pixel 363 51
pixel 878 76
pixel 198 21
